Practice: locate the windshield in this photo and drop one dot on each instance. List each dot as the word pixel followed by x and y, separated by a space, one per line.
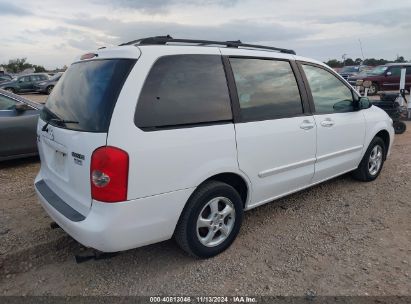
pixel 87 94
pixel 349 69
pixel 377 70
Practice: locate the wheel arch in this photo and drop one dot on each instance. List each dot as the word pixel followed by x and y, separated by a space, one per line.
pixel 235 180
pixel 385 136
pixel 238 181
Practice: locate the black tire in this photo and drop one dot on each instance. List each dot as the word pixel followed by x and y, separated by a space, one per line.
pixel 362 173
pixel 11 90
pixel 188 235
pixel 399 127
pixel 49 89
pixel 373 90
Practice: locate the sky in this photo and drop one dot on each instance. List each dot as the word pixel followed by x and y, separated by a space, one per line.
pixel 53 32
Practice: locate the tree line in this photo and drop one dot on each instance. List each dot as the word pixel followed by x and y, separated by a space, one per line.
pixel 20 64
pixel 335 63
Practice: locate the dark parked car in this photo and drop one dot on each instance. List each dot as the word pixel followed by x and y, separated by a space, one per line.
pixel 384 77
pixel 352 80
pixel 348 71
pixel 18 126
pixel 24 83
pixel 5 78
pixel 351 70
pixel 48 85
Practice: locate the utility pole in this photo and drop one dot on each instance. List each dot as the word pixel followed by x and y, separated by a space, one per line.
pixel 362 53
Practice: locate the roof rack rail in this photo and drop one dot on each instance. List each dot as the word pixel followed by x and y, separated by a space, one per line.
pixel 159 40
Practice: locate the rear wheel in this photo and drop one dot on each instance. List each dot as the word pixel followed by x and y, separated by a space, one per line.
pixel 49 89
pixel 372 162
pixel 399 127
pixel 211 220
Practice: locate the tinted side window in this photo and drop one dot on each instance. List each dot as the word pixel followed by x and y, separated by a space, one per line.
pixel 395 71
pixel 266 89
pixel 184 89
pixel 408 71
pixel 330 94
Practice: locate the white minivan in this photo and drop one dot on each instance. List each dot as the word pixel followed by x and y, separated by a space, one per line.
pixel 162 137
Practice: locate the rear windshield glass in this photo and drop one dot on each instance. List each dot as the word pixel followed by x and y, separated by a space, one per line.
pixel 85 97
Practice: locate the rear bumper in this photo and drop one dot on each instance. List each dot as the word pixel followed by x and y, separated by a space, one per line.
pixel 111 227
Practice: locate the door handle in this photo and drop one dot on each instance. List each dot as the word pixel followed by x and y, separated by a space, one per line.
pixel 307 125
pixel 327 123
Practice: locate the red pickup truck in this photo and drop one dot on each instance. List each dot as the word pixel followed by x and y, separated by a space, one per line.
pixel 385 77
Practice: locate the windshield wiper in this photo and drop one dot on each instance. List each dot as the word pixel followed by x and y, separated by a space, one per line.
pixel 59 121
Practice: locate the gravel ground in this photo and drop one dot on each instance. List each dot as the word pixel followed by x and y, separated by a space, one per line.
pixel 342 237
pixel 41 98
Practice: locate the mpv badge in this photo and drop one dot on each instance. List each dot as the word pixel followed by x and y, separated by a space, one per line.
pixel 78 158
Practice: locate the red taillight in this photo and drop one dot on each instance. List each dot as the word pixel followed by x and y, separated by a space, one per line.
pixel 109 174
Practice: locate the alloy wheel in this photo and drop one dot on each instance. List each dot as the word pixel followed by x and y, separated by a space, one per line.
pixel 215 221
pixel 375 160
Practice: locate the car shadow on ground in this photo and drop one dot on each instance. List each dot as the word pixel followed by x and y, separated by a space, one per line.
pixel 21 162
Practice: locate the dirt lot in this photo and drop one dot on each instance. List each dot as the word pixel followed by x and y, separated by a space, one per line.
pixel 339 238
pixel 41 98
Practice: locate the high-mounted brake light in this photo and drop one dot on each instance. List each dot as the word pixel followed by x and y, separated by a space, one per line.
pixel 109 174
pixel 88 56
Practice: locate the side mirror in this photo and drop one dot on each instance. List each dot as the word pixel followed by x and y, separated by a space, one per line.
pixel 20 80
pixel 388 74
pixel 22 107
pixel 364 103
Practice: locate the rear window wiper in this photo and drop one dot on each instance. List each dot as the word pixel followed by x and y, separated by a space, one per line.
pixel 59 121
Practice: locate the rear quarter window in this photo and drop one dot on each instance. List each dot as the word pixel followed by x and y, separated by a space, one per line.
pixel 183 90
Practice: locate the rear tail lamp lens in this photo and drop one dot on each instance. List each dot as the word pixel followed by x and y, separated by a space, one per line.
pixel 109 174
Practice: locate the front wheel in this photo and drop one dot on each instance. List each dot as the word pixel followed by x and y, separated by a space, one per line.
pixel 210 221
pixel 372 161
pixel 11 90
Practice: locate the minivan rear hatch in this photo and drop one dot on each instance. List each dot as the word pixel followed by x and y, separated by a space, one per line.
pixel 74 122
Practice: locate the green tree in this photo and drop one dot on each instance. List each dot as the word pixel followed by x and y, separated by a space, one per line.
pixel 400 59
pixel 39 69
pixel 349 61
pixel 334 63
pixel 20 64
pixel 357 61
pixel 374 62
